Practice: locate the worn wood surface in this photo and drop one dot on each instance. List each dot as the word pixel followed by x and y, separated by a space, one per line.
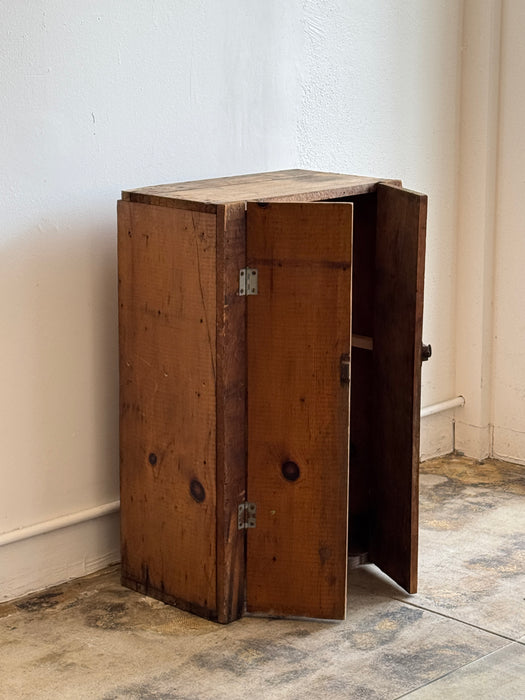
pixel 167 310
pixel 231 410
pixel 398 317
pixel 284 185
pixel 298 328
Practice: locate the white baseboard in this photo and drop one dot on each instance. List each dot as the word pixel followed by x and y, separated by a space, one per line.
pixel 508 445
pixel 437 435
pixel 54 557
pixel 472 440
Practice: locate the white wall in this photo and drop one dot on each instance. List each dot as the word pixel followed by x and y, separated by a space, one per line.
pixel 490 318
pixel 508 375
pixel 97 97
pixel 380 95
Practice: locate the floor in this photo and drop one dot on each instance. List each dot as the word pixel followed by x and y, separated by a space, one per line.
pixel 462 636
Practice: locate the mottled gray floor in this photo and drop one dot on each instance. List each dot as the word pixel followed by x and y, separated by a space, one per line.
pixel 462 636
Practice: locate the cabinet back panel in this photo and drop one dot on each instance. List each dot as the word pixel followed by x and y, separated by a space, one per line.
pixel 361 412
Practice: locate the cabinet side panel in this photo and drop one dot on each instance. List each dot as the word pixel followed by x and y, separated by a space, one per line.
pixel 167 321
pixel 398 318
pixel 231 410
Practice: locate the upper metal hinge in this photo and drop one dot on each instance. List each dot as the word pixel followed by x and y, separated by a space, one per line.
pixel 246 515
pixel 248 284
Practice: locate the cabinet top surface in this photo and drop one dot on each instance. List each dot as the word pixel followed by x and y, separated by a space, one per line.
pixel 300 185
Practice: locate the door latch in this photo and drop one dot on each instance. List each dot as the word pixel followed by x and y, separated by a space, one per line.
pixel 345 369
pixel 426 352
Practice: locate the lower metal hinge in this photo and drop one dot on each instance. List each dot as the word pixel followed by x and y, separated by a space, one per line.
pixel 246 515
pixel 248 284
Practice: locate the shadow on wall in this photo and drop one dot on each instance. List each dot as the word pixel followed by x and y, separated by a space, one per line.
pixel 60 368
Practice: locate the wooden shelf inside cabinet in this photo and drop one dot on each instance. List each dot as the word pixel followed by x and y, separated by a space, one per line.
pixel 270 350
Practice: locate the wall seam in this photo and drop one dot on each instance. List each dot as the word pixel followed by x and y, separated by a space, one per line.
pixel 481 45
pixel 496 192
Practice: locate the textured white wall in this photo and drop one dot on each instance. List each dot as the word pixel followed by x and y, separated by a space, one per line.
pixel 490 321
pixel 477 185
pixel 380 95
pixel 508 378
pixel 97 97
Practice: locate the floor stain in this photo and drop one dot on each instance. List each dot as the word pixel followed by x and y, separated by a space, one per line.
pixel 509 561
pixel 150 690
pixel 41 601
pixel 108 616
pixel 491 473
pixel 280 679
pixel 332 686
pixel 299 634
pixel 381 628
pixel 116 644
pixel 244 655
pixel 118 609
pixel 65 595
pixel 52 657
pixel 455 489
pixel 427 662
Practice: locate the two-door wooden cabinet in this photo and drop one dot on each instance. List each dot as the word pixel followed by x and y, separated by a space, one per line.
pixel 270 363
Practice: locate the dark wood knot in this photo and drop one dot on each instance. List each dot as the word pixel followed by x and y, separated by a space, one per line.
pixel 197 491
pixel 290 471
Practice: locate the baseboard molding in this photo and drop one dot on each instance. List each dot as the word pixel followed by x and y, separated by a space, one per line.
pixel 473 440
pixel 437 435
pixel 54 557
pixel 508 445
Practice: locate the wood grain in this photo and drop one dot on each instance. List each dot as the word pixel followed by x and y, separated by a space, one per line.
pixel 167 326
pixel 231 410
pixel 282 185
pixel 298 411
pixel 398 317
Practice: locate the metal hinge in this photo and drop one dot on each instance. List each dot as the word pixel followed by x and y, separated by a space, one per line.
pixel 248 281
pixel 246 515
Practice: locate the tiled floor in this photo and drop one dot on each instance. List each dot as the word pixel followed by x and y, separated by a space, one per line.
pixel 462 636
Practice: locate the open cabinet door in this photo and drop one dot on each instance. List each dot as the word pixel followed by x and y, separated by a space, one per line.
pixel 298 336
pixel 398 318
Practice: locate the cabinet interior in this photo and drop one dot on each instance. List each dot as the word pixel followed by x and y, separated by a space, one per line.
pixel 361 382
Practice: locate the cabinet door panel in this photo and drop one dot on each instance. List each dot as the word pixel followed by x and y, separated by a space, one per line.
pixel 398 317
pixel 298 328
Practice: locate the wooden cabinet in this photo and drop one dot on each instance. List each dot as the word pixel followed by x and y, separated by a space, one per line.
pixel 270 360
